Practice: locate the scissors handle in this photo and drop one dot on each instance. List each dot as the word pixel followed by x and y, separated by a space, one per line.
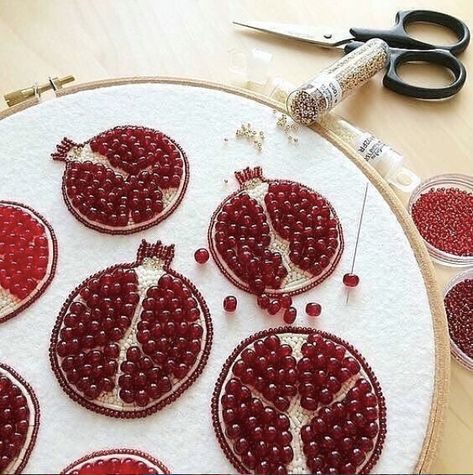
pixel 398 37
pixel 443 58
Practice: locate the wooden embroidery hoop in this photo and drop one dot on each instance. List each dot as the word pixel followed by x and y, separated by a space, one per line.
pixel 442 345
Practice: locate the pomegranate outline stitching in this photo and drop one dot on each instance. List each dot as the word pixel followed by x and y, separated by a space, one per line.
pixel 215 401
pixel 35 421
pixel 173 396
pixel 54 248
pixel 63 148
pixel 154 461
pixel 246 175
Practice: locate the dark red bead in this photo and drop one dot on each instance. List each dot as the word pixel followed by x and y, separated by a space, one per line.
pixel 351 280
pixel 313 309
pixel 201 255
pixel 286 301
pixel 274 307
pixel 230 303
pixel 290 315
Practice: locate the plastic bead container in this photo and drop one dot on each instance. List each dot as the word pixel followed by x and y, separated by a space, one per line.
pixel 452 180
pixel 456 352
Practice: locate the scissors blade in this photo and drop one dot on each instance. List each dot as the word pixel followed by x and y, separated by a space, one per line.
pixel 318 35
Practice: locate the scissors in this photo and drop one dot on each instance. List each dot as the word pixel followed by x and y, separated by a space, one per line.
pixel 403 47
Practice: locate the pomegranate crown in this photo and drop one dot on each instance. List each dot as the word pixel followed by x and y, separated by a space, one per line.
pixel 243 176
pixel 62 149
pixel 158 250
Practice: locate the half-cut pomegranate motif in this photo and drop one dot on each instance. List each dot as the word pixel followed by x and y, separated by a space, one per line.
pixel 116 462
pixel 28 255
pixel 123 180
pixel 295 400
pixel 19 415
pixel 132 338
pixel 275 236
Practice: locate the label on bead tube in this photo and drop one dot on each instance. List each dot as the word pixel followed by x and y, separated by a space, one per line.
pixel 329 89
pixel 370 147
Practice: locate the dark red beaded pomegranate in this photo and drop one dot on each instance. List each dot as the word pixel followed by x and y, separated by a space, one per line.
pixel 19 416
pixel 275 236
pixel 116 462
pixel 132 338
pixel 28 255
pixel 123 180
pixel 296 400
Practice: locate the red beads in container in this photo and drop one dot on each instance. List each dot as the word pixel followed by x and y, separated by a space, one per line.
pixel 458 300
pixel 442 210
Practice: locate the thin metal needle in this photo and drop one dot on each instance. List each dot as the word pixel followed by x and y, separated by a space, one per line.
pixel 358 235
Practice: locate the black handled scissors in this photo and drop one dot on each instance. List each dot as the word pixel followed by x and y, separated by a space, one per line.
pixel 404 48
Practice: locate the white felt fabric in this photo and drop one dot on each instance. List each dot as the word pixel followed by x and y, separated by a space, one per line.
pixel 387 319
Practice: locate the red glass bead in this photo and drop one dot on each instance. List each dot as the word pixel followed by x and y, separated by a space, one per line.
pixel 201 255
pixel 263 301
pixel 313 309
pixel 351 280
pixel 230 303
pixel 286 301
pixel 290 315
pixel 274 307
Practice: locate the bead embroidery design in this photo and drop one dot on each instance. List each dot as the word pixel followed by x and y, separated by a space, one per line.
pixel 28 256
pixel 116 461
pixel 275 236
pixel 297 400
pixel 20 421
pixel 123 180
pixel 132 338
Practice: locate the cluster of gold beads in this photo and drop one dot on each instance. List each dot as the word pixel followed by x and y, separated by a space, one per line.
pixel 288 126
pixel 246 131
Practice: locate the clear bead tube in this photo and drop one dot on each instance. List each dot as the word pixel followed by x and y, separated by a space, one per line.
pixel 385 160
pixel 323 92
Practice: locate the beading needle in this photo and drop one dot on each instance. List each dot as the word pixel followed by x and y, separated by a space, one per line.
pixel 358 236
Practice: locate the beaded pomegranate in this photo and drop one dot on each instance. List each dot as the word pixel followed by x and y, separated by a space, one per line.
pixel 123 180
pixel 275 236
pixel 132 338
pixel 19 417
pixel 296 400
pixel 116 462
pixel 28 255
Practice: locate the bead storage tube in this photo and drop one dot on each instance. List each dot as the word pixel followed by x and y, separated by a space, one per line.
pixel 384 159
pixel 323 92
pixel 457 353
pixel 447 181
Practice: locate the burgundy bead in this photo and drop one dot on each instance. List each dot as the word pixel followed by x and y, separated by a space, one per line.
pixel 201 255
pixel 313 309
pixel 263 301
pixel 351 280
pixel 230 303
pixel 274 307
pixel 290 315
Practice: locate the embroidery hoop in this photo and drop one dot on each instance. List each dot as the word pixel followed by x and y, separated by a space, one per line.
pixel 442 353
